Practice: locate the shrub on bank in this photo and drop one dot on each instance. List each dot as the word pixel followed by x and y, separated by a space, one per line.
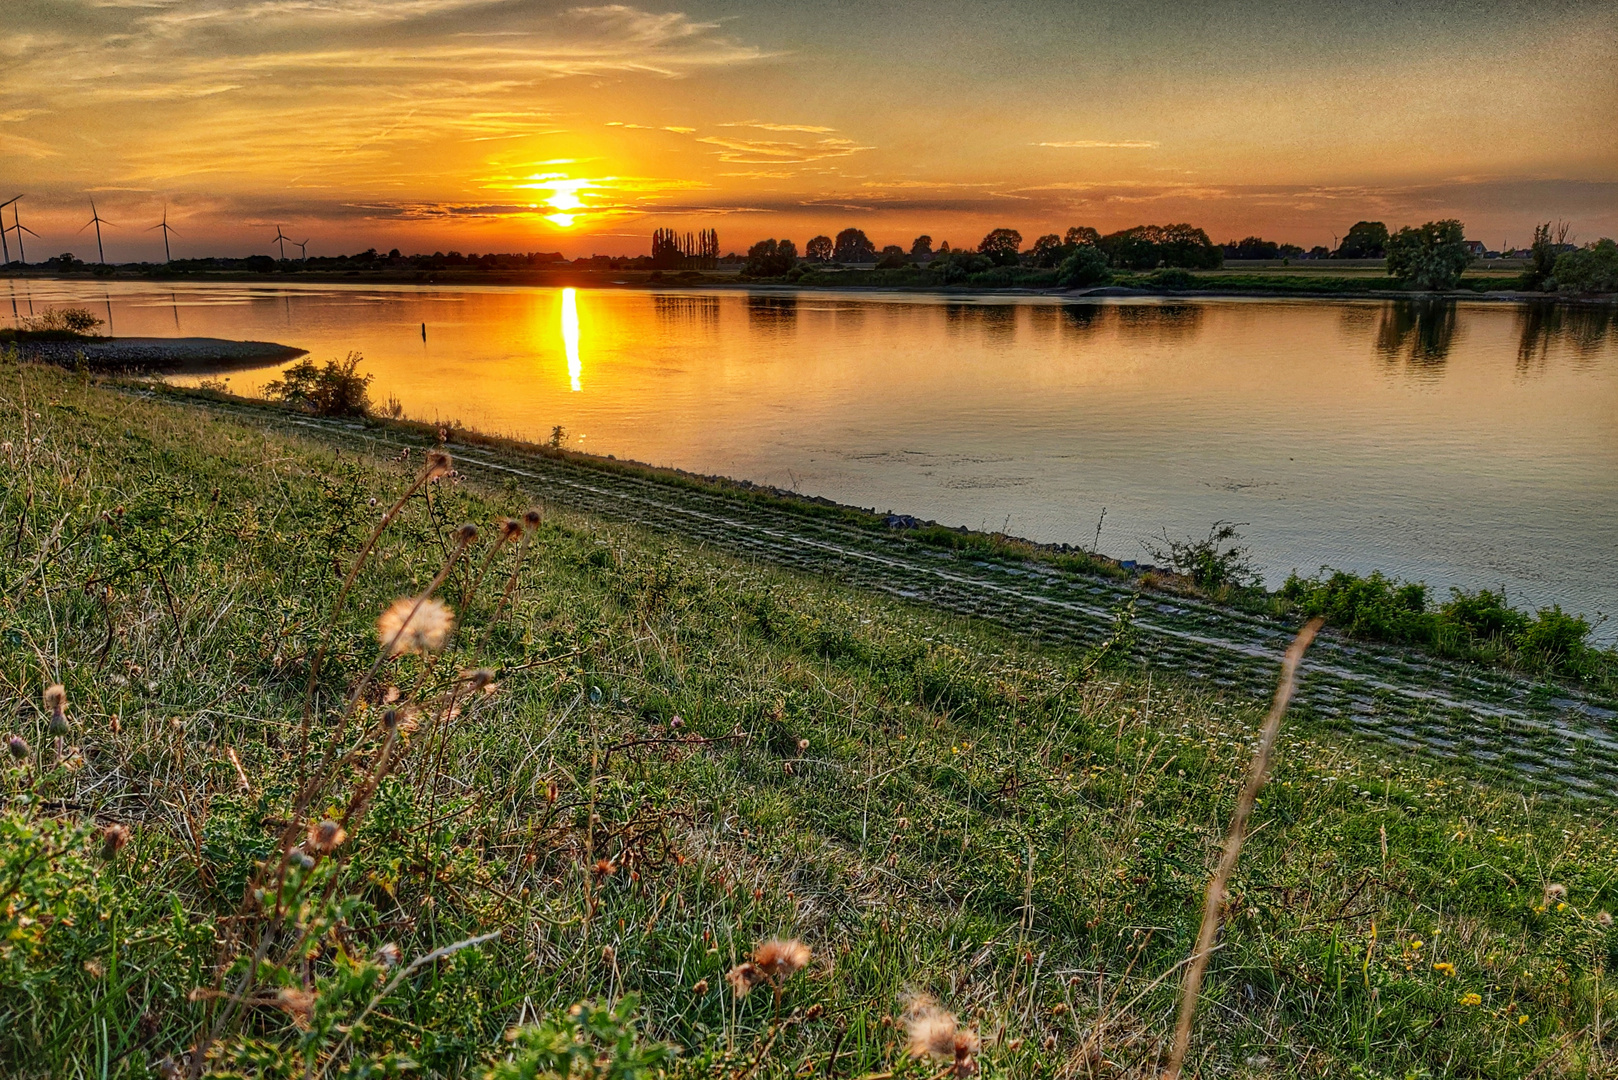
pixel 1473 625
pixel 334 390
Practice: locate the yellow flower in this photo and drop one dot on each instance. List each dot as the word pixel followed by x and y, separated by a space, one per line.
pixel 1416 944
pixel 1472 999
pixel 1523 1019
pixel 1446 968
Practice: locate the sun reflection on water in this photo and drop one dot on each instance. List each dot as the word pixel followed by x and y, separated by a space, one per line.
pixel 570 336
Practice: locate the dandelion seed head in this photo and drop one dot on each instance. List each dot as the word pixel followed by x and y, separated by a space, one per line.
pixel 803 744
pixel 1555 893
pixel 1604 919
pixel 414 625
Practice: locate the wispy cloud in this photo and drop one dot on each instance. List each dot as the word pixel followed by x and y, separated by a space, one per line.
pixel 812 129
pixel 768 152
pixel 1102 144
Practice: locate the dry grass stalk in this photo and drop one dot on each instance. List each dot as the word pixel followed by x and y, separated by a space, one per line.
pixel 1214 903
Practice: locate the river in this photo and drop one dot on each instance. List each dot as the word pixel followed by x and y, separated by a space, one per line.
pixel 1471 444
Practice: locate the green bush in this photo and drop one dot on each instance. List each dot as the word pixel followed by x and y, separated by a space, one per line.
pixel 1171 278
pixel 334 390
pixel 1431 257
pixel 1593 269
pixel 1086 266
pixel 73 321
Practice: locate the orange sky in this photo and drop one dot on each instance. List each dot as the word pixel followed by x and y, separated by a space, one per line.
pixel 519 125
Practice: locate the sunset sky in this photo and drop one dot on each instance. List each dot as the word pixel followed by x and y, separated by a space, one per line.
pixel 521 125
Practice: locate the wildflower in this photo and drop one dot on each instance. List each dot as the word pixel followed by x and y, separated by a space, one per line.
pixel 780 960
pixel 414 625
pixel 803 744
pixel 467 533
pixel 699 987
pixel 935 1033
pixel 510 529
pixel 1555 894
pixel 1471 999
pixel 17 747
pixel 113 838
pixel 388 956
pixel 815 1011
pixel 479 678
pixel 1604 920
pixel 605 868
pixel 296 1003
pixel 94 969
pixel 608 954
pixel 531 519
pixel 676 723
pixel 1446 968
pixel 438 464
pixel 326 837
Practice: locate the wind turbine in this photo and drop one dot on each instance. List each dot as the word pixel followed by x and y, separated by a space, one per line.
pixel 97 220
pixel 303 248
pixel 282 239
pixel 167 228
pixel 5 249
pixel 19 228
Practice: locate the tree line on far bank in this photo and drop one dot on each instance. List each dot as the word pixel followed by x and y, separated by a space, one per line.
pixel 1431 256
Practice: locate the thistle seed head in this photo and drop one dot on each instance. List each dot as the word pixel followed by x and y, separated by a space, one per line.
pixel 438 464
pixel 780 960
pixel 510 529
pixel 326 837
pixel 414 625
pixel 113 839
pixel 467 533
pixel 531 519
pixel 17 747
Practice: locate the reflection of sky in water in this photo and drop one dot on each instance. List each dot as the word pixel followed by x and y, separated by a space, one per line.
pixel 1472 444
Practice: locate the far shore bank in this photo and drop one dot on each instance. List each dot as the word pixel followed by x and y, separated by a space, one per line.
pixel 184 355
pixel 1280 289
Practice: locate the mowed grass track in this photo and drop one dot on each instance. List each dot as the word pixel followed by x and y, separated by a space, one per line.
pixel 933 801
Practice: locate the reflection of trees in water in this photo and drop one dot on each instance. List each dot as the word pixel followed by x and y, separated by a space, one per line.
pixel 774 312
pixel 701 312
pixel 1584 328
pixel 1165 322
pixel 998 322
pixel 1418 332
pixel 1083 318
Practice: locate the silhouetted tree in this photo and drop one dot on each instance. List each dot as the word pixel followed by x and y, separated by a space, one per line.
pixel 921 248
pixel 771 258
pixel 1046 252
pixel 893 257
pixel 818 250
pixel 853 246
pixel 1252 248
pixel 1542 255
pixel 1591 269
pixel 1087 265
pixel 1081 234
pixel 1001 246
pixel 1365 240
pixel 1431 257
pixel 1146 247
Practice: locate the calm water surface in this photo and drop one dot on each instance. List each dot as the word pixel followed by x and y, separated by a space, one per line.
pixel 1460 444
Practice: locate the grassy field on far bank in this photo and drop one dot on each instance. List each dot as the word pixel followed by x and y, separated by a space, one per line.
pixel 677 754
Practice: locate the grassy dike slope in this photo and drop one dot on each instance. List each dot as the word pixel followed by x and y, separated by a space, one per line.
pixel 1023 832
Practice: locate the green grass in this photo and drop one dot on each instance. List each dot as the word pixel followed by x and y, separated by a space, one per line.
pixel 1017 831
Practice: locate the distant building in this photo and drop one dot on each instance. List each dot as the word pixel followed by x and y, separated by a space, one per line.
pixel 1476 248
